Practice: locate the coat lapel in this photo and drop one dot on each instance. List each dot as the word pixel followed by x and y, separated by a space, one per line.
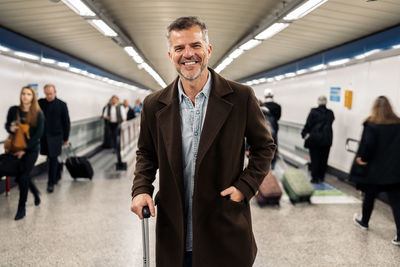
pixel 169 121
pixel 218 110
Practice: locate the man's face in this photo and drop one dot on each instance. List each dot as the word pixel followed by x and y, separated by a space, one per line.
pixel 50 93
pixel 189 52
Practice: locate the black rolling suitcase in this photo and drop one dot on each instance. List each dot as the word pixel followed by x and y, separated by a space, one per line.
pixel 78 167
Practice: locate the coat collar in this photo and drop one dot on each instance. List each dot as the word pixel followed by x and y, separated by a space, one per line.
pixel 169 121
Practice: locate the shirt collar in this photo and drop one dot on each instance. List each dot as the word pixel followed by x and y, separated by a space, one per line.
pixel 205 91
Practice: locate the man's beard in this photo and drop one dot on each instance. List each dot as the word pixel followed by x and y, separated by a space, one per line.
pixel 194 77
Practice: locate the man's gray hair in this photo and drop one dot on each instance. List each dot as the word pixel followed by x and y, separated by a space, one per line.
pixel 322 100
pixel 49 85
pixel 184 23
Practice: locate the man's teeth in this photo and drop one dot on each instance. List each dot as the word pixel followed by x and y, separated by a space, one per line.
pixel 190 63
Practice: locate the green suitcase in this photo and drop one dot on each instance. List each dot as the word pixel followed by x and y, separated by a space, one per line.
pixel 297 185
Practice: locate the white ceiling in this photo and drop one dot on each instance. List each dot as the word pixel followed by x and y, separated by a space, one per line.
pixel 228 21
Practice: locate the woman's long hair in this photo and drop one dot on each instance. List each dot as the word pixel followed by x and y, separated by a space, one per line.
pixel 31 117
pixel 382 112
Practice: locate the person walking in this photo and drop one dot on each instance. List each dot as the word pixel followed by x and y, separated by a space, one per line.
pixel 115 115
pixel 193 132
pixel 378 153
pixel 26 116
pixel 274 116
pixel 56 132
pixel 318 135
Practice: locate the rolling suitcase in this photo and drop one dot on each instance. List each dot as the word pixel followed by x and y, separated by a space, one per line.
pixel 78 167
pixel 269 192
pixel 145 236
pixel 297 185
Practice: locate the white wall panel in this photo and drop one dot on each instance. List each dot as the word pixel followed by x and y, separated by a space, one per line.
pixel 84 96
pixel 367 81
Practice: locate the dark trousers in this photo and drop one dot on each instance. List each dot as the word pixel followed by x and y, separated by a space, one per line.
pixel 24 180
pixel 187 261
pixel 319 162
pixel 368 206
pixel 54 170
pixel 114 134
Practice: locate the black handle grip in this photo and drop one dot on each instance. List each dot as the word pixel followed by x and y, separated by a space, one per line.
pixel 146 212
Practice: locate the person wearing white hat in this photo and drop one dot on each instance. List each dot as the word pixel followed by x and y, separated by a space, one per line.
pixel 275 110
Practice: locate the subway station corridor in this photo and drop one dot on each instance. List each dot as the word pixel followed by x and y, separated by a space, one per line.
pixel 89 223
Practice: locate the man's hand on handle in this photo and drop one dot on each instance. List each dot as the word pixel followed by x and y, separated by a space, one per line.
pixel 140 201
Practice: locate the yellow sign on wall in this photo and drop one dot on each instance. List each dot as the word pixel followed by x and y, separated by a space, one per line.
pixel 348 98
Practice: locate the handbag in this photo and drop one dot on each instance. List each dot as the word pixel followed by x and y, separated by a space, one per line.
pixel 10 165
pixel 17 141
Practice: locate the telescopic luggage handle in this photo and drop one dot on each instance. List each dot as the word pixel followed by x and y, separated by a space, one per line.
pixel 145 236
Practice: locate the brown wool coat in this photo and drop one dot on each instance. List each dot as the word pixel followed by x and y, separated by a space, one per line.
pixel 222 230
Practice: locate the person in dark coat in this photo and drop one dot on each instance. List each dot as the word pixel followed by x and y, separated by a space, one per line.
pixel 27 114
pixel 130 113
pixel 318 136
pixel 115 115
pixel 193 132
pixel 275 111
pixel 56 132
pixel 379 154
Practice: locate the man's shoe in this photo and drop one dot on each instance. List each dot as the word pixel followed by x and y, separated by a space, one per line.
pixel 359 223
pixel 50 188
pixel 20 214
pixel 396 241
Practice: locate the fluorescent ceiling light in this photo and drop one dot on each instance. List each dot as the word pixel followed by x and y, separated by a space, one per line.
pixel 236 53
pixel 338 62
pixel 138 59
pixel 270 80
pixel 4 49
pixel 76 70
pixel 219 68
pixel 262 80
pixel 250 44
pixel 302 71
pixel 26 55
pixel 223 64
pixel 318 67
pixel 249 83
pixel 271 31
pixel 394 47
pixel 154 74
pixel 48 60
pixel 256 82
pixel 103 27
pixel 304 9
pixel 290 74
pixel 130 51
pixel 367 54
pixel 63 64
pixel 279 77
pixel 227 61
pixel 80 8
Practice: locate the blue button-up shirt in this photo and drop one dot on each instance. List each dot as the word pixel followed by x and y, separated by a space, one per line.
pixel 192 120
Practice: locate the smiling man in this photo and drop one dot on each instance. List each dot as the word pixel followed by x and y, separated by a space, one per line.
pixel 193 132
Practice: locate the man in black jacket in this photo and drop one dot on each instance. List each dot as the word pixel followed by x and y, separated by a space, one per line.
pixel 56 132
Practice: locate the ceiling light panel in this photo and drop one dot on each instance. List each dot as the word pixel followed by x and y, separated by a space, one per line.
pixel 304 9
pixel 79 8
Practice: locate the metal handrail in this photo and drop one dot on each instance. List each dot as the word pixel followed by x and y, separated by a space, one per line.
pixel 347 145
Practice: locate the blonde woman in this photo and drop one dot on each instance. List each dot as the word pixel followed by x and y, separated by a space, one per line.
pixel 379 152
pixel 28 114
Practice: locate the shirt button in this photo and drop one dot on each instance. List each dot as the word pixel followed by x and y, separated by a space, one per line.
pixel 195 133
pixel 198 112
